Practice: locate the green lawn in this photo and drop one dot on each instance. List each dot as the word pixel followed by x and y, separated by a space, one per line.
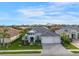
pixel 75 51
pixel 69 46
pixel 16 45
pixel 29 52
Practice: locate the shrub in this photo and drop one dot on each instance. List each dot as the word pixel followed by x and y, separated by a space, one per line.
pixel 38 41
pixel 65 39
pixel 25 42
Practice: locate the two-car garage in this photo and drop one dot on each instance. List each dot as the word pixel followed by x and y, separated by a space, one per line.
pixel 50 39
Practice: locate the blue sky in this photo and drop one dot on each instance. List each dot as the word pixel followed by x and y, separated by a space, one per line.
pixel 16 13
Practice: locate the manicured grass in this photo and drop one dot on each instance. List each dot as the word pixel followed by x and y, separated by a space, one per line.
pixel 16 47
pixel 75 51
pixel 69 46
pixel 29 52
pixel 66 42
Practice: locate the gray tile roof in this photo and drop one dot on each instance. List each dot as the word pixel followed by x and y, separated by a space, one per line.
pixel 71 28
pixel 44 31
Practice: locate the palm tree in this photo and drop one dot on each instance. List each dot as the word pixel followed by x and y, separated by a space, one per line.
pixel 4 35
pixel 8 36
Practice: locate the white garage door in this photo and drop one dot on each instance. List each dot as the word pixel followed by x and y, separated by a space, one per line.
pixel 51 39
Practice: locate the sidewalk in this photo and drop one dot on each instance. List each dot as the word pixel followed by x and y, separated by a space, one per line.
pixel 35 54
pixel 20 50
pixel 73 50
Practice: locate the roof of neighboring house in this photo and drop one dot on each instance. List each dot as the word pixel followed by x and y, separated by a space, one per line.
pixel 69 28
pixel 13 32
pixel 44 31
pixel 10 32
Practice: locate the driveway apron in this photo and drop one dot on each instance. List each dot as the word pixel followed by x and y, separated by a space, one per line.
pixel 55 49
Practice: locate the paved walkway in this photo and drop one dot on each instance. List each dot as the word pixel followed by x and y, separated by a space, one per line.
pixel 34 54
pixel 55 49
pixel 76 43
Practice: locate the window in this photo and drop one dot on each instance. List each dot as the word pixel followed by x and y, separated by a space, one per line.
pixel 73 36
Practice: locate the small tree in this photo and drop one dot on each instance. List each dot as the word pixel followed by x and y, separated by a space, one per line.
pixel 65 38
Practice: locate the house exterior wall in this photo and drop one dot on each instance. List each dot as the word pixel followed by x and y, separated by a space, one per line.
pixel 50 39
pixel 8 40
pixel 34 36
pixel 73 32
pixel 69 32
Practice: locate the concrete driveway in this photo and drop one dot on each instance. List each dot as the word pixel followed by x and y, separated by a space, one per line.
pixel 54 50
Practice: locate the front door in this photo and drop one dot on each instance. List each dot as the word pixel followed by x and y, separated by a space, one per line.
pixel 73 36
pixel 31 39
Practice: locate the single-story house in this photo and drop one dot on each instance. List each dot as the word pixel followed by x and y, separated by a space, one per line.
pixel 72 32
pixel 11 35
pixel 42 33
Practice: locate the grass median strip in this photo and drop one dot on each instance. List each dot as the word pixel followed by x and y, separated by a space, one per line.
pixel 27 52
pixel 75 51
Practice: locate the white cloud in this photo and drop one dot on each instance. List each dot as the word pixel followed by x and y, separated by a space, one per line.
pixel 48 14
pixel 31 13
pixel 41 14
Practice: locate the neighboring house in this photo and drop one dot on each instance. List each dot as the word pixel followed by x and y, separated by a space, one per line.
pixel 72 32
pixel 13 34
pixel 42 33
